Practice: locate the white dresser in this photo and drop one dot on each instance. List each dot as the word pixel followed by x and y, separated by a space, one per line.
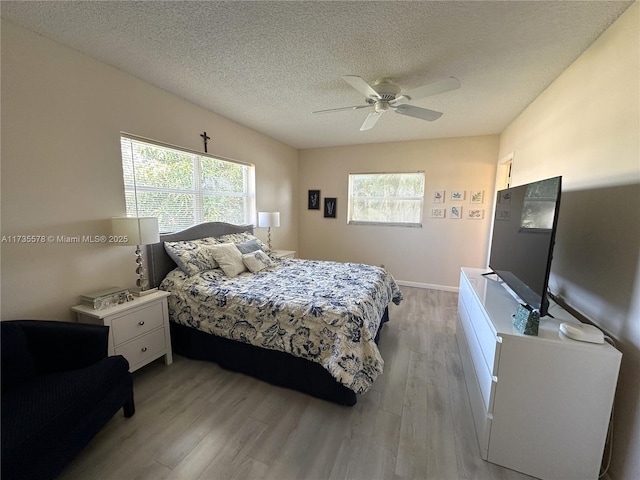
pixel 139 329
pixel 541 404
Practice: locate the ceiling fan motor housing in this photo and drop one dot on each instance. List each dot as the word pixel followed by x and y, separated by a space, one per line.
pixel 387 90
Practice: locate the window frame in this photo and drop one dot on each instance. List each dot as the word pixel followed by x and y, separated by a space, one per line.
pixel 199 191
pixel 351 199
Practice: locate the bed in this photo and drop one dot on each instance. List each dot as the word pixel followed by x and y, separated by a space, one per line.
pixel 307 325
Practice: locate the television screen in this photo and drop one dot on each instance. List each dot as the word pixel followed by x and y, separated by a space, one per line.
pixel 523 236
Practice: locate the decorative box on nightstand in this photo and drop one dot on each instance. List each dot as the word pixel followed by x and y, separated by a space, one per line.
pixel 283 253
pixel 139 329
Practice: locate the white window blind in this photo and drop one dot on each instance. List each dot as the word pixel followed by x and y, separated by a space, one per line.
pixel 386 198
pixel 183 188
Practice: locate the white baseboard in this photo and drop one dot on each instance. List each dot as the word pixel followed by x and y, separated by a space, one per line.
pixel 430 286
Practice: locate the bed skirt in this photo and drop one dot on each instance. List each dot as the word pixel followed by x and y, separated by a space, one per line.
pixel 272 366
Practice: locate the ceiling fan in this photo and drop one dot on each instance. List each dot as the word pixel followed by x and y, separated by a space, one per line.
pixel 385 95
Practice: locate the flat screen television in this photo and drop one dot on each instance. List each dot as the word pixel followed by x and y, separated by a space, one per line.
pixel 524 230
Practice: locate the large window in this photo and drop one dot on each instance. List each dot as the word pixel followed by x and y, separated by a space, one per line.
pixel 183 188
pixel 386 198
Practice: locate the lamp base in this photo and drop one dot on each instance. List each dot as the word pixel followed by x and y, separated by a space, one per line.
pixel 141 293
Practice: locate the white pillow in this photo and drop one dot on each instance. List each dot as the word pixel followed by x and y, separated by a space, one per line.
pixel 229 259
pixel 256 261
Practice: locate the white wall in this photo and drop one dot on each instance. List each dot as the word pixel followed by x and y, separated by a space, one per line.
pixel 62 114
pixel 586 127
pixel 428 256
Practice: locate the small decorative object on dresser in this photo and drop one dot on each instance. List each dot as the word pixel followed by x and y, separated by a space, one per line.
pixel 527 320
pixel 139 329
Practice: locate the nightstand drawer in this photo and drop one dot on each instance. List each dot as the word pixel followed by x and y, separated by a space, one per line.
pixel 143 349
pixel 136 323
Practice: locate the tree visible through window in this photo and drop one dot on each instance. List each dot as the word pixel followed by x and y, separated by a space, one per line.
pixel 386 198
pixel 183 188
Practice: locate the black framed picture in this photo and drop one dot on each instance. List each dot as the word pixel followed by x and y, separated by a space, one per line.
pixel 330 206
pixel 314 199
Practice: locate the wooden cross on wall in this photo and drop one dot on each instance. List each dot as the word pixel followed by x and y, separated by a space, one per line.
pixel 205 138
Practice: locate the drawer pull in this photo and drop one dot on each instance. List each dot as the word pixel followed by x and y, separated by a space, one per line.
pixel 144 349
pixel 141 322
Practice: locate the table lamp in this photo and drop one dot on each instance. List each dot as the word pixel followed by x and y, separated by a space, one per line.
pixel 130 231
pixel 269 219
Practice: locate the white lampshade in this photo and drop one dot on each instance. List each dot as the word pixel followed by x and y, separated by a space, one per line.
pixel 268 219
pixel 137 230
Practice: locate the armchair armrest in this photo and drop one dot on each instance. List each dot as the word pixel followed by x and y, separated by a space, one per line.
pixel 57 346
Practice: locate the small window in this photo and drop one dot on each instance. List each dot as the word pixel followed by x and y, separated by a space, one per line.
pixel 183 188
pixel 386 198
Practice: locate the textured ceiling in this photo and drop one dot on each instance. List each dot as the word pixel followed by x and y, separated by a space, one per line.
pixel 268 65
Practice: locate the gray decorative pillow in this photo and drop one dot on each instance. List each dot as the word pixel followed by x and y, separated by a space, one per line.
pixel 256 261
pixel 248 246
pixel 240 238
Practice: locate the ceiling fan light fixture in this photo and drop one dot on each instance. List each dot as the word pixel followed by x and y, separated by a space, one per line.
pixel 381 106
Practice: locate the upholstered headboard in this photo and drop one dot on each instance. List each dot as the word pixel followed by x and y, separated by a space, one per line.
pixel 159 263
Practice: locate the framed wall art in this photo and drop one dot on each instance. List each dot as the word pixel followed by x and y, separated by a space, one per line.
pixel 314 200
pixel 438 212
pixel 456 213
pixel 477 196
pixel 475 213
pixel 457 195
pixel 330 207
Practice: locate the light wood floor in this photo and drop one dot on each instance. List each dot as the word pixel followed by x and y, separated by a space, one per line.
pixel 196 421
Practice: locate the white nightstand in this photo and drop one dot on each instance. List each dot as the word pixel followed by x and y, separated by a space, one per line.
pixel 283 253
pixel 139 329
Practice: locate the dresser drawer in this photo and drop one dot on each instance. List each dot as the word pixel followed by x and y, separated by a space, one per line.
pixel 137 322
pixel 483 372
pixel 481 418
pixel 143 349
pixel 486 336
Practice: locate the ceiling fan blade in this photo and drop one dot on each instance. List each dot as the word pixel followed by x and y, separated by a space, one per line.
pixel 434 88
pixel 370 121
pixel 359 84
pixel 355 107
pixel 418 112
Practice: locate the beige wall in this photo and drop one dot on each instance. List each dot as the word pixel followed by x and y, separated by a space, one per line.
pixel 428 256
pixel 62 114
pixel 586 127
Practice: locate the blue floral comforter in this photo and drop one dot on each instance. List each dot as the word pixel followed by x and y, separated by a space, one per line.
pixel 326 312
